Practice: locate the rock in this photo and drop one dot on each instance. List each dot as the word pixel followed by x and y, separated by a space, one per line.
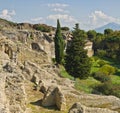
pixel 8 68
pixel 35 79
pixel 49 97
pixel 77 108
pixel 98 110
pixel 42 87
pixel 4 108
pixel 37 47
pixel 60 99
pixel 4 59
pixel 53 97
pixel 15 92
pixel 7 46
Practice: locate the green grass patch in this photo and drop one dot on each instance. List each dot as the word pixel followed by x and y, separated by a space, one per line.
pixel 86 85
pixel 64 74
pixel 115 79
pixel 96 61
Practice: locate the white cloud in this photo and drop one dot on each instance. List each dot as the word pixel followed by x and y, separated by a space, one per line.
pixel 99 18
pixel 60 10
pixel 57 5
pixel 39 19
pixel 7 14
pixel 64 17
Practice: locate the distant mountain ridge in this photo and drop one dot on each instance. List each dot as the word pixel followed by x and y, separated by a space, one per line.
pixel 112 25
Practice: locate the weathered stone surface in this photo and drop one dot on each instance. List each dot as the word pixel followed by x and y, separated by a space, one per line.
pixel 8 68
pixel 60 99
pixel 4 108
pixel 54 96
pixel 78 108
pixel 41 87
pixel 35 79
pixel 37 47
pixel 4 59
pixel 15 92
pixel 15 49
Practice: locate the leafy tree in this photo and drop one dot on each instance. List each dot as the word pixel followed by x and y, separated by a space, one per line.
pixel 59 45
pixel 97 42
pixel 108 31
pixel 107 69
pixel 65 28
pixel 91 34
pixel 101 76
pixel 42 27
pixel 77 61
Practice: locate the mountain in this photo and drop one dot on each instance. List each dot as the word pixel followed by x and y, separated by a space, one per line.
pixel 112 25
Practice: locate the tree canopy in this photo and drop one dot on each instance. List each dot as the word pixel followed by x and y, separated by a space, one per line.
pixel 77 61
pixel 59 45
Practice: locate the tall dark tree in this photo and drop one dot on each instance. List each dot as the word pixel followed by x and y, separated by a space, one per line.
pixel 108 32
pixel 59 45
pixel 91 34
pixel 77 61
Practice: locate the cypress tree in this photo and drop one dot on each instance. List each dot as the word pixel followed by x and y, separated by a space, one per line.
pixel 77 61
pixel 59 45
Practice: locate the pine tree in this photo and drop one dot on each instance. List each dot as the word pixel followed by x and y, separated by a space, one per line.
pixel 77 61
pixel 59 45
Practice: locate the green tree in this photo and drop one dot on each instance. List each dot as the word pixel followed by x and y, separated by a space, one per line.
pixel 91 34
pixel 65 28
pixel 77 62
pixel 59 45
pixel 108 32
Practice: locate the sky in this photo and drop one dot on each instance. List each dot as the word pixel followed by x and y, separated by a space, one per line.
pixel 90 14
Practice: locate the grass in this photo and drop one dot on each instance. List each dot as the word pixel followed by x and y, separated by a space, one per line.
pixel 86 85
pixel 82 85
pixel 64 74
pixel 115 79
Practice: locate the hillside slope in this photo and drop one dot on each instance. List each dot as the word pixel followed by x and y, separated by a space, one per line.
pixel 31 83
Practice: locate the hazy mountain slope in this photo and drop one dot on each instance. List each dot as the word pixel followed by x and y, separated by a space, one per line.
pixel 113 26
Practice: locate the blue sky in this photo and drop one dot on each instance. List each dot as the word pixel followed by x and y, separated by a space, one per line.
pixel 89 14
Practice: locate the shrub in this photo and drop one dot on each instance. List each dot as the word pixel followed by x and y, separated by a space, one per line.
pixel 101 63
pixel 107 88
pixel 101 76
pixel 107 69
pixel 42 27
pixel 115 90
pixel 96 58
pixel 101 53
pixel 104 88
pixel 65 28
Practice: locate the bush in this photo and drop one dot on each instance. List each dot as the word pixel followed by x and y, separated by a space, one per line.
pixel 107 69
pixel 101 63
pixel 65 28
pixel 42 27
pixel 101 53
pixel 101 76
pixel 116 90
pixel 107 88
pixel 96 58
pixel 104 88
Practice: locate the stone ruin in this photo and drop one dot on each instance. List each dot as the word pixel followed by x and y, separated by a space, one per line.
pixel 9 48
